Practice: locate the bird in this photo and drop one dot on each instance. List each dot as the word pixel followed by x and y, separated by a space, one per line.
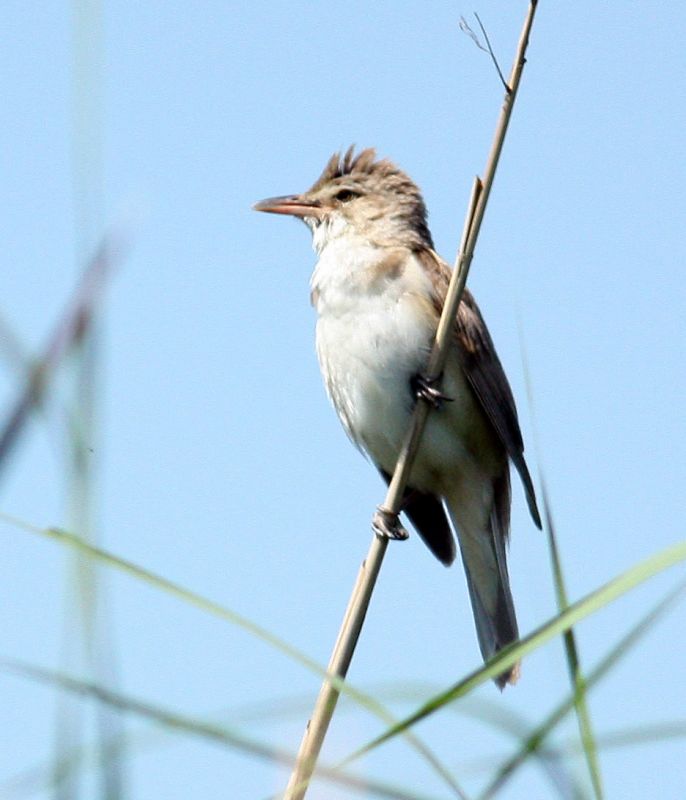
pixel 378 289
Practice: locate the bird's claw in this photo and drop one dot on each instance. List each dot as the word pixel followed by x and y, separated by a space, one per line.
pixel 387 525
pixel 425 388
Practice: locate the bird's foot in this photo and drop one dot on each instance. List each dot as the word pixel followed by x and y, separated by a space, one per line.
pixel 426 388
pixel 387 525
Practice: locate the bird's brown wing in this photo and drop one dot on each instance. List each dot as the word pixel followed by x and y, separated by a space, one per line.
pixel 484 372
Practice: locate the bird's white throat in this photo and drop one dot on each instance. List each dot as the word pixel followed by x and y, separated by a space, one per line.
pixel 343 268
pixel 331 227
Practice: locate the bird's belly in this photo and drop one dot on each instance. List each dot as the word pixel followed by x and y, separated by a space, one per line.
pixel 368 365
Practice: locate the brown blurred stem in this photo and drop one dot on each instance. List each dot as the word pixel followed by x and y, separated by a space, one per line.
pixel 68 331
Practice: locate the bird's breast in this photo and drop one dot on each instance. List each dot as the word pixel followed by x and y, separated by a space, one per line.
pixel 368 357
pixel 370 344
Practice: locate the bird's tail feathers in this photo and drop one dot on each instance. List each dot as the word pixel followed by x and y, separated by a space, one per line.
pixel 482 545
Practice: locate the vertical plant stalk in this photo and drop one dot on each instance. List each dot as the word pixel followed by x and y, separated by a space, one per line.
pixel 87 638
pixel 359 601
pixel 576 675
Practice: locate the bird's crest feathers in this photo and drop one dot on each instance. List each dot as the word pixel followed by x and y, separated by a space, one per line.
pixel 349 163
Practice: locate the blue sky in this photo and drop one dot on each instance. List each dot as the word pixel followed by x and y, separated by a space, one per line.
pixel 221 465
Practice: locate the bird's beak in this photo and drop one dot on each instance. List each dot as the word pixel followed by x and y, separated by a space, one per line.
pixel 294 204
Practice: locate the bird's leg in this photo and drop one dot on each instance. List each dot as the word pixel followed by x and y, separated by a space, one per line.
pixel 387 525
pixel 423 387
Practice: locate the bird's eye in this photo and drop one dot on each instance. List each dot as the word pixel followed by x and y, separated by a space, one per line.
pixel 345 195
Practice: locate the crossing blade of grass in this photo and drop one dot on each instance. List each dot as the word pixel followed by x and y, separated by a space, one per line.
pixel 504 720
pixel 550 761
pixel 67 331
pixel 35 779
pixel 575 673
pixel 217 610
pixel 591 603
pixel 539 735
pixel 163 584
pixel 211 731
pixel 645 734
pixel 492 714
pixel 31 780
pixel 651 733
pixel 499 718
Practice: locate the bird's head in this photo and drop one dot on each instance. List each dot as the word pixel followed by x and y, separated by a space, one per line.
pixel 360 195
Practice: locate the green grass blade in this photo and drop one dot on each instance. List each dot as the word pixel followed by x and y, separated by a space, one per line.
pixel 539 735
pixel 35 779
pixel 575 673
pixel 645 734
pixel 571 651
pixel 623 583
pixel 211 731
pixel 211 607
pixel 169 587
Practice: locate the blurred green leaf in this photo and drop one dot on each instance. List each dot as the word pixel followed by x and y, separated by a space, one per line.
pixel 197 600
pixel 628 580
pixel 541 732
pixel 212 731
pixel 576 676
